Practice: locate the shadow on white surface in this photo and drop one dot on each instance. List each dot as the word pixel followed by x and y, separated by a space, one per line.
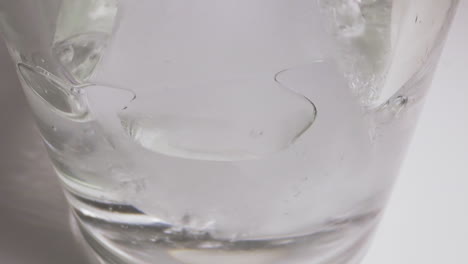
pixel 33 213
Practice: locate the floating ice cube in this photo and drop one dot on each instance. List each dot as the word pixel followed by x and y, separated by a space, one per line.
pixel 215 121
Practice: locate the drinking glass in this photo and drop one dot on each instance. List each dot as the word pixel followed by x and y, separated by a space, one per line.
pixel 226 131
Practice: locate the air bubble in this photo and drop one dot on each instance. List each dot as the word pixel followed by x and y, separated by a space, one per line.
pixel 66 55
pixel 398 104
pixel 349 19
pixel 77 91
pixel 392 109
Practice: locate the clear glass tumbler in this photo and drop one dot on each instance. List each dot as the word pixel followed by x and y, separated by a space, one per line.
pixel 226 131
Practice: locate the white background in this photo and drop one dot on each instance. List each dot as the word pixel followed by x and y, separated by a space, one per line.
pixel 427 218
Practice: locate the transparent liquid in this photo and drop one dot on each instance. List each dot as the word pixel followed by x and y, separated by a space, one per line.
pixel 278 192
pixel 285 166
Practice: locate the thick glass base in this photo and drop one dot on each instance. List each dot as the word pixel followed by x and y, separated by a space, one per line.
pixel 114 242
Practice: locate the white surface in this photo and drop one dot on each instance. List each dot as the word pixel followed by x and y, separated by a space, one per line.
pixel 427 218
